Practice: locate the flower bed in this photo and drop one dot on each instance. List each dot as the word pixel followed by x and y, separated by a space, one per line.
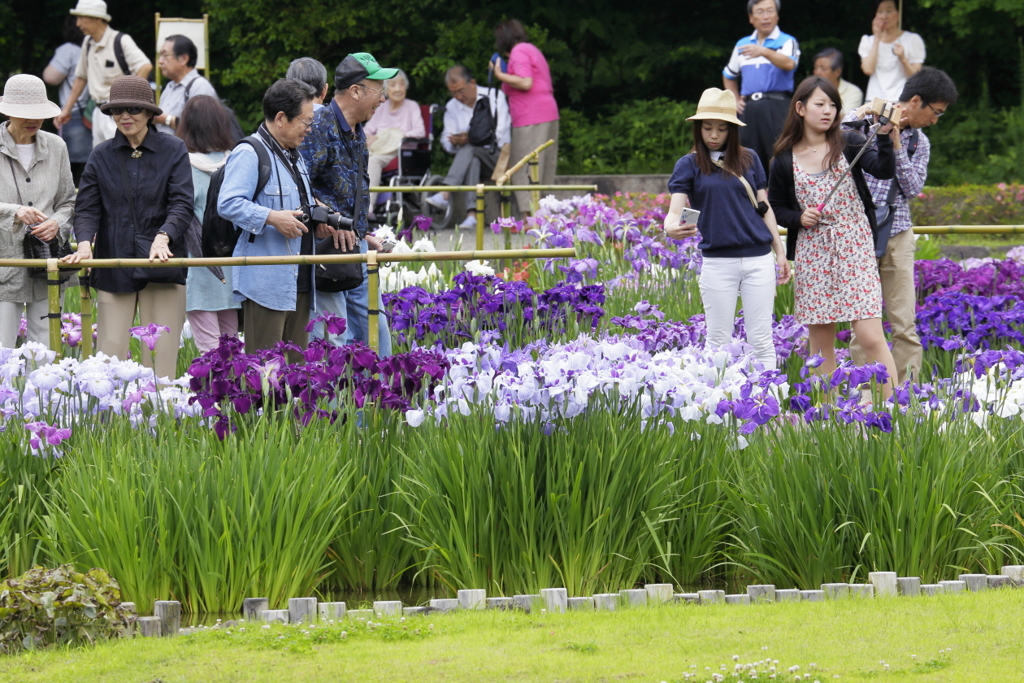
pixel 561 425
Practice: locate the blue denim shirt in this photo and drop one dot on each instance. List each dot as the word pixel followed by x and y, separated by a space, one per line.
pixel 272 287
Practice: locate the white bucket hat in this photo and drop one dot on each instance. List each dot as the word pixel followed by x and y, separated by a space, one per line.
pixel 25 98
pixel 92 8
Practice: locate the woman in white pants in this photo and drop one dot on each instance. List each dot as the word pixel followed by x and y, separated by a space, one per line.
pixel 742 252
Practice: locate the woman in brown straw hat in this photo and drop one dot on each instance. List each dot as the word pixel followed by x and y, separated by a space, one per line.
pixel 135 201
pixel 739 241
pixel 37 199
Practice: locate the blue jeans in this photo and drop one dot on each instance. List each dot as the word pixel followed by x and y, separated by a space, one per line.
pixel 352 306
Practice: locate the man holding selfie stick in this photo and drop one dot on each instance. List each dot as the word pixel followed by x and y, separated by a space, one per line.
pixel 760 75
pixel 926 97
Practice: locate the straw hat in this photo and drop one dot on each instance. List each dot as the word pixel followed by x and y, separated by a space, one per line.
pixel 92 8
pixel 717 104
pixel 131 91
pixel 25 98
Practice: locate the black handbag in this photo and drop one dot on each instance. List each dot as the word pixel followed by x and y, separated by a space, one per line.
pixel 340 277
pixel 885 214
pixel 35 248
pixel 143 242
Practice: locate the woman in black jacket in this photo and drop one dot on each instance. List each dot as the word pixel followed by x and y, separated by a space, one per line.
pixel 836 275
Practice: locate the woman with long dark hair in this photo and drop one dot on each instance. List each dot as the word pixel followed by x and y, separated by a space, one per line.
pixel 833 248
pixel 205 127
pixel 726 183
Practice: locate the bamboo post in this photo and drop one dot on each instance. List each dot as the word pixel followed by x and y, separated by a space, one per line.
pixel 373 299
pixel 519 164
pixel 53 292
pixel 480 216
pixel 85 293
pixel 534 172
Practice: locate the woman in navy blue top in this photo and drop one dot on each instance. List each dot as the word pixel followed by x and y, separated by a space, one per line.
pixel 740 244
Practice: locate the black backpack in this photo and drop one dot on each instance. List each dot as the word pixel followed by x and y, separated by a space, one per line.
pixel 219 234
pixel 118 52
pixel 236 127
pixel 483 124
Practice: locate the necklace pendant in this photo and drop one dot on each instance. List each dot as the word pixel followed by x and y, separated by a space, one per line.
pixel 137 154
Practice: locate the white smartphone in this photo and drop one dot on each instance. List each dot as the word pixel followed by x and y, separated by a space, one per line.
pixel 689 217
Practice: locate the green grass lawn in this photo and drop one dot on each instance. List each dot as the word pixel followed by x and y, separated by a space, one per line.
pixel 967 637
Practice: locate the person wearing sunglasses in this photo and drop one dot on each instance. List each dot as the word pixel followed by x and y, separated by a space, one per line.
pixel 926 97
pixel 135 201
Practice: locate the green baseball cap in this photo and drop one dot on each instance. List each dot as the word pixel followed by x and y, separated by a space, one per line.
pixel 358 66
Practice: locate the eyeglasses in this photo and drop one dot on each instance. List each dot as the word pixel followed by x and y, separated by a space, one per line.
pixel 379 93
pixel 764 12
pixel 117 111
pixel 460 91
pixel 938 112
pixel 307 124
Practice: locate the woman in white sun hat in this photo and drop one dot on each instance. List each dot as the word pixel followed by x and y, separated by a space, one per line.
pixel 37 197
pixel 739 241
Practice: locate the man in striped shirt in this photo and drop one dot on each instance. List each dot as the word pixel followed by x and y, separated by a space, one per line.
pixel 763 63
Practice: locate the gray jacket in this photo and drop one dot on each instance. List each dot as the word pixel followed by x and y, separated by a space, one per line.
pixel 47 186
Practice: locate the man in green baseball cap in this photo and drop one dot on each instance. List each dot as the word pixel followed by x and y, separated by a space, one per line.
pixel 358 67
pixel 336 155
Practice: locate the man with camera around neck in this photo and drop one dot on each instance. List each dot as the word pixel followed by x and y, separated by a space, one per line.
pixel 335 151
pixel 926 97
pixel 275 299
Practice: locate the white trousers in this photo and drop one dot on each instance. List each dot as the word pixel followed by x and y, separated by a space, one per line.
pixel 722 280
pixel 35 315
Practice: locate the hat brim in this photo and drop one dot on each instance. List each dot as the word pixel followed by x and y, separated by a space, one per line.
pixel 94 15
pixel 105 108
pixel 41 110
pixel 383 74
pixel 716 116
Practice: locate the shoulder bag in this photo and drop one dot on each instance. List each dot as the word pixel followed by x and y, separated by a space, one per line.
pixel 885 214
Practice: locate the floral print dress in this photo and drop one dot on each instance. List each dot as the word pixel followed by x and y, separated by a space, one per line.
pixel 836 275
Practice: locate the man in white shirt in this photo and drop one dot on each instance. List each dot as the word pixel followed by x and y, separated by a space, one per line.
pixel 177 61
pixel 471 161
pixel 828 64
pixel 106 55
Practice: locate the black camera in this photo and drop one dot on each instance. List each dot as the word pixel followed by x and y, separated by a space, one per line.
pixel 314 215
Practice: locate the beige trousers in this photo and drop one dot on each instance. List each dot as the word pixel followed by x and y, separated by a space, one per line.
pixel 896 270
pixel 163 304
pixel 525 139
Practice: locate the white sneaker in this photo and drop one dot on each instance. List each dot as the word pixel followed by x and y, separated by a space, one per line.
pixel 469 223
pixel 438 201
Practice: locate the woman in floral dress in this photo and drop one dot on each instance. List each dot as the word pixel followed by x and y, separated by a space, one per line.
pixel 836 275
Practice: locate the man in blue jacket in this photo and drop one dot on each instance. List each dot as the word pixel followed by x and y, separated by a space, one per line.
pixel 275 299
pixel 335 151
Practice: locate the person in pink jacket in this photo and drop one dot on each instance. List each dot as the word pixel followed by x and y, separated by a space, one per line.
pixel 531 101
pixel 398 118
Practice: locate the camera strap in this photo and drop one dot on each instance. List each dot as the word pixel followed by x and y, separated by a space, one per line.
pixel 360 160
pixel 292 165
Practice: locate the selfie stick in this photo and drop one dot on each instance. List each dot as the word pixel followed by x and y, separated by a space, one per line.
pixel 882 120
pixel 850 169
